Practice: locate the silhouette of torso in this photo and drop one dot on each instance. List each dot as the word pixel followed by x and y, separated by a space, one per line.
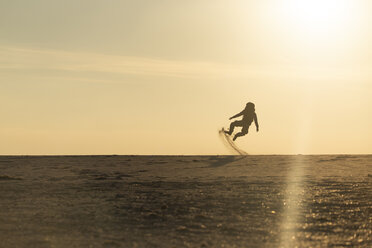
pixel 248 116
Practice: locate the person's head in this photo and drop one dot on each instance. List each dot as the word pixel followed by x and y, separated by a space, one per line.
pixel 250 106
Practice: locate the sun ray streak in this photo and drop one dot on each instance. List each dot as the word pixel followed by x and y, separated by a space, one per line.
pixel 292 203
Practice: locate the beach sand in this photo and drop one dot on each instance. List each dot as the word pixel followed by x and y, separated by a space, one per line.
pixel 186 201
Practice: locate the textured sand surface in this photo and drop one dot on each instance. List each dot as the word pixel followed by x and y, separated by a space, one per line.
pixel 186 201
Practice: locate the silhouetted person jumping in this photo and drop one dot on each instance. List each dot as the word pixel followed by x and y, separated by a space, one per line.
pixel 249 115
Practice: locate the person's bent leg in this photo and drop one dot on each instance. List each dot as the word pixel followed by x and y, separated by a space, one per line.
pixel 242 133
pixel 232 126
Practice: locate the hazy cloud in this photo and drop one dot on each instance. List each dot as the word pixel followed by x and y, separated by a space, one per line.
pixel 41 61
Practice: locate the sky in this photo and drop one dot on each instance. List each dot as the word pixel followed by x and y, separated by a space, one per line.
pixel 162 77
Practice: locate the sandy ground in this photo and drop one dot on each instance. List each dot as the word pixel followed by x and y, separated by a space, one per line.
pixel 186 201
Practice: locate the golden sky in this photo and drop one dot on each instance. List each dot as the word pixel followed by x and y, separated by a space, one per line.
pixel 161 77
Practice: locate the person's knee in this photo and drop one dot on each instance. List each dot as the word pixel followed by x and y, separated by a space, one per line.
pixel 244 131
pixel 236 123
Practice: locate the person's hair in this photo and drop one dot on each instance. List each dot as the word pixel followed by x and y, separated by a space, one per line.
pixel 250 105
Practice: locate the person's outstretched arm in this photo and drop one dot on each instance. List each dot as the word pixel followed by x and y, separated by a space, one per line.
pixel 237 115
pixel 256 122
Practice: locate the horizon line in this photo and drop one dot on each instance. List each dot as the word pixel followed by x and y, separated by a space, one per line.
pixel 179 155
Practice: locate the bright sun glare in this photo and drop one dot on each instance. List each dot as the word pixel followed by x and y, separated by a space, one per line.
pixel 318 18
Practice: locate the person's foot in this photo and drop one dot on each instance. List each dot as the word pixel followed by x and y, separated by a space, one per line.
pixel 234 138
pixel 227 132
